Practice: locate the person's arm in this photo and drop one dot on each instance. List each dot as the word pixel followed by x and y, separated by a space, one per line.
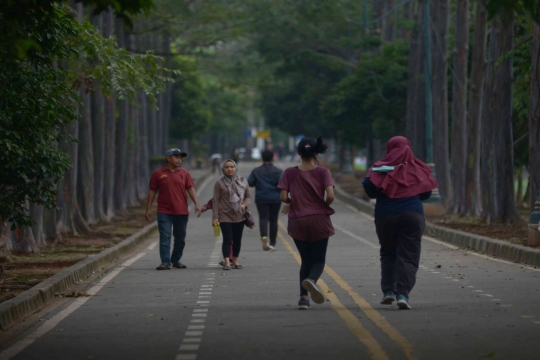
pixel 215 203
pixel 247 199
pixel 149 202
pixel 425 196
pixel 251 179
pixel 370 189
pixel 193 195
pixel 284 197
pixel 329 195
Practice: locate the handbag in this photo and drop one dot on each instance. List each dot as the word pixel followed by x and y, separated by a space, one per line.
pixel 250 223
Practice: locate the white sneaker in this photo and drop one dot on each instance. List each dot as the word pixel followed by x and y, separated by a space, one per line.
pixel 272 249
pixel 316 294
pixel 265 246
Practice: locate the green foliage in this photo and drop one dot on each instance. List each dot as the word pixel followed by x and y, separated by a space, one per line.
pixel 372 102
pixel 530 7
pixel 38 99
pixel 191 114
pixel 25 24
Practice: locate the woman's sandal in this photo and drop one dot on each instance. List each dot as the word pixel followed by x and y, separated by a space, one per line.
pixel 222 263
pixel 226 267
pixel 237 266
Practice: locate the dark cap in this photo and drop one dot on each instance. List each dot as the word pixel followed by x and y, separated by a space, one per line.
pixel 175 151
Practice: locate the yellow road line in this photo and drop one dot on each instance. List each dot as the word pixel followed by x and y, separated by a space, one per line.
pixel 370 312
pixel 361 333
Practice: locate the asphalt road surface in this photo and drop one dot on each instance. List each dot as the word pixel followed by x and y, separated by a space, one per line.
pixel 464 305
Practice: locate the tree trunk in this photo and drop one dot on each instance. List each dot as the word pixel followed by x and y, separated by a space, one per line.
pixel 499 206
pixel 36 212
pixel 534 125
pixel 5 233
pixel 439 33
pixel 459 106
pixel 415 122
pixel 389 22
pixel 110 134
pixel 122 138
pixel 473 200
pixel 86 163
pixel 98 136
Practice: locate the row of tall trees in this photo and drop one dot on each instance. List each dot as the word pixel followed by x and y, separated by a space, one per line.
pixel 84 109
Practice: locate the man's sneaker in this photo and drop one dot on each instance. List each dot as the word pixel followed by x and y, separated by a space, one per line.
pixel 316 294
pixel 163 267
pixel 403 302
pixel 388 298
pixel 265 246
pixel 303 304
pixel 272 248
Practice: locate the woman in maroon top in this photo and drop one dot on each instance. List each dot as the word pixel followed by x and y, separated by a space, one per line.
pixel 309 215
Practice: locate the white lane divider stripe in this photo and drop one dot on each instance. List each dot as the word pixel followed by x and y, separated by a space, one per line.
pixel 152 246
pixel 50 324
pixel 354 236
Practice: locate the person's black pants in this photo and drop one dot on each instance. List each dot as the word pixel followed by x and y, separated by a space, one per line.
pixel 313 256
pixel 232 232
pixel 268 213
pixel 400 239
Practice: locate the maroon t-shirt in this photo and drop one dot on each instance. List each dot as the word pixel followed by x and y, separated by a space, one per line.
pixel 171 187
pixel 307 190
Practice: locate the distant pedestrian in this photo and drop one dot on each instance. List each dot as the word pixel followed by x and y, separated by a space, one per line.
pixel 231 198
pixel 216 162
pixel 265 179
pixel 173 184
pixel 399 182
pixel 309 215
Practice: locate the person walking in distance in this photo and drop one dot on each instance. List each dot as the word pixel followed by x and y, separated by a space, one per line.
pixel 265 179
pixel 399 182
pixel 173 184
pixel 231 198
pixel 309 215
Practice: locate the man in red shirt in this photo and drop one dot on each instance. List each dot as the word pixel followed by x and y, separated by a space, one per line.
pixel 173 185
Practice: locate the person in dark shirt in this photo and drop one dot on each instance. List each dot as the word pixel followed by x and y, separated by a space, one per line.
pixel 265 179
pixel 399 182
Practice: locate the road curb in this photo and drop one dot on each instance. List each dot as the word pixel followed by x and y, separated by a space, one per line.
pixel 43 293
pixel 482 244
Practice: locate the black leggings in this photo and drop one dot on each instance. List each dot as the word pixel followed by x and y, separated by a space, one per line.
pixel 232 232
pixel 268 213
pixel 313 256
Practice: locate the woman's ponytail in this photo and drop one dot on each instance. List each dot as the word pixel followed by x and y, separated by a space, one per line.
pixel 309 148
pixel 319 147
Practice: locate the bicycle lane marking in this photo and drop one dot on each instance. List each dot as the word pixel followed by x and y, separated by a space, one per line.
pixel 367 309
pixel 359 331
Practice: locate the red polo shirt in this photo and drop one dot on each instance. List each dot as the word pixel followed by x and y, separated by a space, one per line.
pixel 171 187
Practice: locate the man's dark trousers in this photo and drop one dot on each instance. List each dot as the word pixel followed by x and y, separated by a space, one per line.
pixel 178 225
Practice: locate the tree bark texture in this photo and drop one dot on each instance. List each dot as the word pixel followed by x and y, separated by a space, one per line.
pixel 498 150
pixel 86 163
pixel 534 125
pixel 415 123
pixel 440 11
pixel 459 106
pixel 473 200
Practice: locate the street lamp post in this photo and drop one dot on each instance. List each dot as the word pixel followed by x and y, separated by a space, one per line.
pixel 435 199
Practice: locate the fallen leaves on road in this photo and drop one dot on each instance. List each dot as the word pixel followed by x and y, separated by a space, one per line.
pixel 72 294
pixel 150 315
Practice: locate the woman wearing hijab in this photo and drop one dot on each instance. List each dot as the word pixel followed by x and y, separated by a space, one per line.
pixel 311 190
pixel 399 182
pixel 231 198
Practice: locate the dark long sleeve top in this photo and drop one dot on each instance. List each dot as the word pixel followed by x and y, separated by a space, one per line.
pixel 387 206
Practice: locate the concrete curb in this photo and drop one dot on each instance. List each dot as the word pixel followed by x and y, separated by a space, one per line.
pixel 43 293
pixel 482 244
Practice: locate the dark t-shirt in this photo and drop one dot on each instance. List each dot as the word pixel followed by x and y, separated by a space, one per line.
pixel 171 187
pixel 307 189
pixel 387 206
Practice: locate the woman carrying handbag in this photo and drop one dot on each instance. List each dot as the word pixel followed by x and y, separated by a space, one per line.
pixel 229 204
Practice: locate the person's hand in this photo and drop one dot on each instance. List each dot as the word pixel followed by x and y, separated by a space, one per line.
pixel 251 227
pixel 215 222
pixel 148 216
pixel 244 206
pixel 198 210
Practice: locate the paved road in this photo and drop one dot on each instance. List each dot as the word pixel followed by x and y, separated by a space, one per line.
pixel 465 306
